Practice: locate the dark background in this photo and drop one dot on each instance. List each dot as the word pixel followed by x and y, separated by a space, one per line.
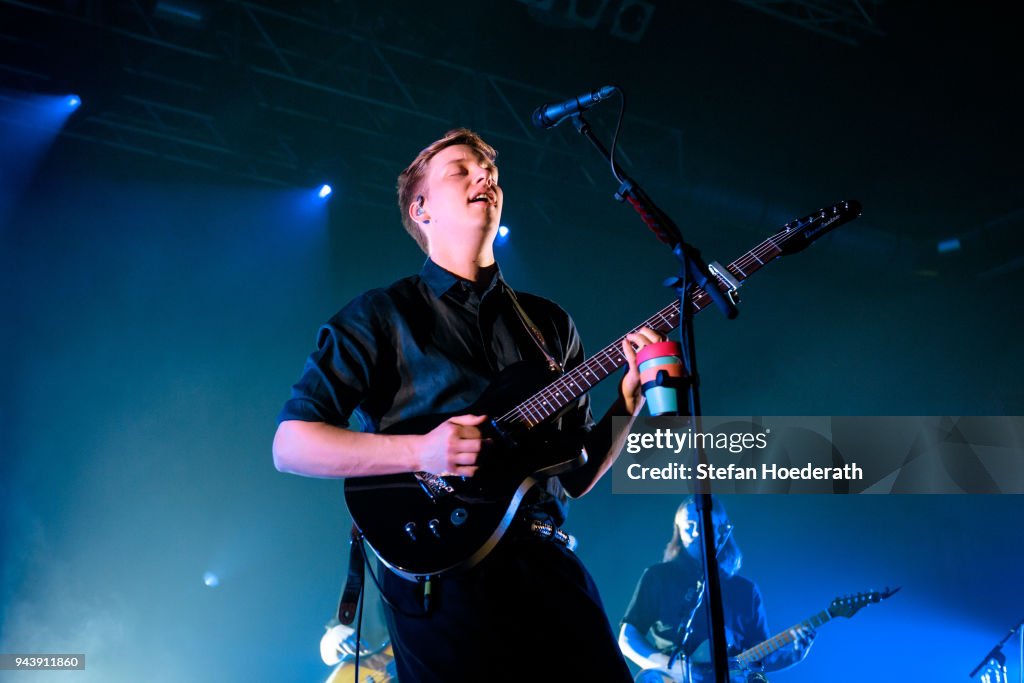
pixel 166 265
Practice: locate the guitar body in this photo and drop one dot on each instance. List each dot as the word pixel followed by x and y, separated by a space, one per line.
pixel 422 525
pixel 378 667
pixel 702 675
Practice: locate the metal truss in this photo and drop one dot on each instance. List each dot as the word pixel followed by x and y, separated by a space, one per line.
pixel 286 92
pixel 847 21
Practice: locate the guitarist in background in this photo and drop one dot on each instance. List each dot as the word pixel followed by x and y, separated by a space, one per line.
pixel 429 345
pixel 651 634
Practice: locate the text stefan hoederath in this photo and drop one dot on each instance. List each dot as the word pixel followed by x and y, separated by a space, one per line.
pixel 674 441
pixel 821 454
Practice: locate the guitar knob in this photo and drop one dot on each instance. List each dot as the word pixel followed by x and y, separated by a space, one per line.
pixel 435 527
pixel 459 516
pixel 410 529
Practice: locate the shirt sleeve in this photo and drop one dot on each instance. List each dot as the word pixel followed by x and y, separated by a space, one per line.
pixel 755 626
pixel 338 374
pixel 642 611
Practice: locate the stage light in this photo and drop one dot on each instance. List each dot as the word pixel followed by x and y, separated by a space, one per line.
pixel 73 102
pixel 632 19
pixel 946 246
pixel 502 236
pixel 211 580
pixel 587 13
pixel 325 191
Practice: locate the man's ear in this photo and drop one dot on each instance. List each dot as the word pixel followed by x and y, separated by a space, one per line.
pixel 417 212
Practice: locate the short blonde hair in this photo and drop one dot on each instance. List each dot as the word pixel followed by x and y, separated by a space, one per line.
pixel 410 181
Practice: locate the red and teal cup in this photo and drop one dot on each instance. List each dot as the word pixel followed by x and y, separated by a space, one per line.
pixel 661 376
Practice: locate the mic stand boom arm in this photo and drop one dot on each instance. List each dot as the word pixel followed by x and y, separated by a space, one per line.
pixel 693 272
pixel 662 226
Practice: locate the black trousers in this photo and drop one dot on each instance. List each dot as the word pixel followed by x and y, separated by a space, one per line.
pixel 529 612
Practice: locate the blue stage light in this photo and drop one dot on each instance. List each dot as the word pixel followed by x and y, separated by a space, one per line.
pixel 502 238
pixel 325 191
pixel 73 102
pixel 211 580
pixel 949 245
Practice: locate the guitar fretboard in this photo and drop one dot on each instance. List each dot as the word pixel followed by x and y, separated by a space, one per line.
pixel 551 400
pixel 757 653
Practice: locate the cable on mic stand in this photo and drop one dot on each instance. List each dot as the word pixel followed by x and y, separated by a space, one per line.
pixel 693 274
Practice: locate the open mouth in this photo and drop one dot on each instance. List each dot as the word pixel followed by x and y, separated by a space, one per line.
pixel 487 197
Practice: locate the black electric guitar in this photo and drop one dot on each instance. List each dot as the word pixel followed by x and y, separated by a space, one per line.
pixel 423 525
pixel 745 667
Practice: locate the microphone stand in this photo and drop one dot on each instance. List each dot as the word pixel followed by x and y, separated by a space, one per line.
pixel 693 273
pixel 996 652
pixel 686 630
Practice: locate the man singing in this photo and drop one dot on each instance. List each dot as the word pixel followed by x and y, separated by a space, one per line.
pixel 430 344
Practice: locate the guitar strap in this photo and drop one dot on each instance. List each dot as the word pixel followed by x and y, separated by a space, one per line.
pixel 349 600
pixel 535 333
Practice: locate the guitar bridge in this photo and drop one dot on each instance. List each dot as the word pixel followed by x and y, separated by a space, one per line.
pixel 434 485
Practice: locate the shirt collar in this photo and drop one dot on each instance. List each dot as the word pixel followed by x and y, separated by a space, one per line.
pixel 440 280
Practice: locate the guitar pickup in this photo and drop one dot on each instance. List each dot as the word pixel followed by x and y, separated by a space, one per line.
pixel 723 274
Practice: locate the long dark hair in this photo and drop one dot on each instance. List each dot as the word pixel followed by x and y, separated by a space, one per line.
pixel 730 558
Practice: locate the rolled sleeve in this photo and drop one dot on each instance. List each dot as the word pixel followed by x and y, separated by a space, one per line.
pixel 338 374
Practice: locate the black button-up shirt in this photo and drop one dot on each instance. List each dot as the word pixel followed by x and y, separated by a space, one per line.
pixel 428 344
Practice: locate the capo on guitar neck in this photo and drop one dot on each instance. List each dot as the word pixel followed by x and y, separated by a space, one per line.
pixel 723 274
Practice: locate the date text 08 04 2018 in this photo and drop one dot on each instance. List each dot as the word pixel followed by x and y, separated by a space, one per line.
pixel 705 471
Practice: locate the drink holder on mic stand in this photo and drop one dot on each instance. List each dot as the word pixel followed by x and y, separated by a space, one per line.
pixel 693 274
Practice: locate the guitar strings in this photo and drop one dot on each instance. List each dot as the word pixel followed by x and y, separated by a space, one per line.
pixel 537 408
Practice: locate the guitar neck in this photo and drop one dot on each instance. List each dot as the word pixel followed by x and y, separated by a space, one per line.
pixel 781 640
pixel 551 400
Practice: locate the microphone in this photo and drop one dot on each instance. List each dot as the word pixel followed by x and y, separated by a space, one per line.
pixel 550 115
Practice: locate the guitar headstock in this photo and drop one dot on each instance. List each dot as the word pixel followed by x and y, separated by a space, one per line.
pixel 799 234
pixel 851 604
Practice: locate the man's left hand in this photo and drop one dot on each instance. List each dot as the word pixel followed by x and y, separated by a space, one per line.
pixel 630 387
pixel 803 638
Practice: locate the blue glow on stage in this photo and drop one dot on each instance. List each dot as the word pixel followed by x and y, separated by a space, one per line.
pixel 29 124
pixel 502 237
pixel 946 246
pixel 325 191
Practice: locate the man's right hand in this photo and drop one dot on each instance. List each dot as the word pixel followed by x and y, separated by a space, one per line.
pixel 453 447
